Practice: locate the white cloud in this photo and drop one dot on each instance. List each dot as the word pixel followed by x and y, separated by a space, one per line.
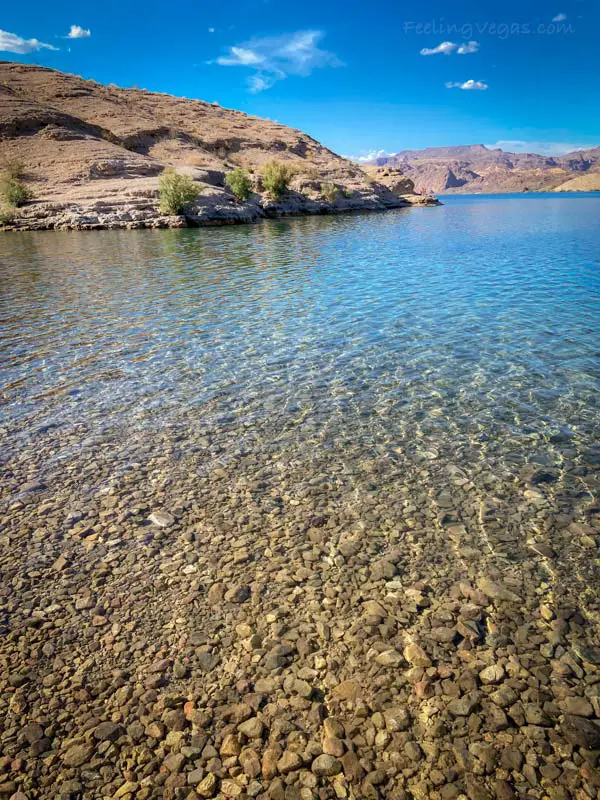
pixel 469 85
pixel 469 47
pixel 11 43
pixel 559 18
pixel 276 57
pixel 447 48
pixel 77 32
pixel 211 30
pixel 543 148
pixel 240 57
pixel 370 155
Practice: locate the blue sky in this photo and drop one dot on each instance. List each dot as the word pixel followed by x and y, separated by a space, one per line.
pixel 358 76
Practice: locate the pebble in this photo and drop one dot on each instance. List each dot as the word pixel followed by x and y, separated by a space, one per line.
pixel 289 762
pixel 326 765
pixel 300 628
pixel 162 518
pixel 492 674
pixel 416 656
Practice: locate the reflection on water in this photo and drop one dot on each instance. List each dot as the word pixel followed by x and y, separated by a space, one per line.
pixel 461 338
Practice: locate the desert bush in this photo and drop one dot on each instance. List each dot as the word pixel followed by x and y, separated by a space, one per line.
pixel 239 184
pixel 329 191
pixel 176 192
pixel 13 192
pixel 276 177
pixel 348 193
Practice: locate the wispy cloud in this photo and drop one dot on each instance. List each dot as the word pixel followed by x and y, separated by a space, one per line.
pixel 469 85
pixel 77 32
pixel 211 30
pixel 543 148
pixel 258 83
pixel 559 18
pixel 11 43
pixel 468 48
pixel 447 48
pixel 275 57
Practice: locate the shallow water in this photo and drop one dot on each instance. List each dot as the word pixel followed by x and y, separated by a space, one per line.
pixel 464 338
pixel 372 445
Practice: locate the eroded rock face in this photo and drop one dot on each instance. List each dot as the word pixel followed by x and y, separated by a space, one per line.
pixel 92 156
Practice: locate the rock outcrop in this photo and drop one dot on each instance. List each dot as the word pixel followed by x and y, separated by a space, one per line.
pixel 92 155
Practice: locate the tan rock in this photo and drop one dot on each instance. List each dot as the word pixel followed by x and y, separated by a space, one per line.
pixel 416 656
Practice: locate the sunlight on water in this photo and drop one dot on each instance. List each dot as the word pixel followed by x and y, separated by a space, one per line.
pixel 460 341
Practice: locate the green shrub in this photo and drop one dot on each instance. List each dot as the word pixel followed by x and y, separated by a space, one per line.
pixel 348 193
pixel 13 192
pixel 176 192
pixel 276 177
pixel 330 191
pixel 7 215
pixel 239 184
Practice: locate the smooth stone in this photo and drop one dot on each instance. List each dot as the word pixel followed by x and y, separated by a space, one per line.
pixel 161 518
pixel 326 766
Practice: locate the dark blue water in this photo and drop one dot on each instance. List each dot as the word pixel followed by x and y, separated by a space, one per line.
pixel 465 337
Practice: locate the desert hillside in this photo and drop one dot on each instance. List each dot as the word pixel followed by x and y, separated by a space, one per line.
pixel 476 168
pixel 590 182
pixel 92 154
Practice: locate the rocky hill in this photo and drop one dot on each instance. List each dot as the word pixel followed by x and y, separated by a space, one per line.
pixel 475 168
pixel 589 182
pixel 92 154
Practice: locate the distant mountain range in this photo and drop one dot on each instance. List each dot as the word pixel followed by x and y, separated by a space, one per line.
pixel 476 168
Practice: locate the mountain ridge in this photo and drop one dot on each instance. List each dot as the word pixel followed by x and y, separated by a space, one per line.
pixel 477 168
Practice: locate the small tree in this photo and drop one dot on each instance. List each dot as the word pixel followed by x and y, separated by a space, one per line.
pixel 276 177
pixel 239 184
pixel 330 191
pixel 176 192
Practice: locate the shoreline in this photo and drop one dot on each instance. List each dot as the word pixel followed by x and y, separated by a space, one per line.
pixel 99 216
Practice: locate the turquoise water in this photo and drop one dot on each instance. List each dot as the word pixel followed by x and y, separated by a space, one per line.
pixel 462 337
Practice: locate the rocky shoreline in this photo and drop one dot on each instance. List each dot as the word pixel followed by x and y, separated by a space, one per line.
pixel 117 207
